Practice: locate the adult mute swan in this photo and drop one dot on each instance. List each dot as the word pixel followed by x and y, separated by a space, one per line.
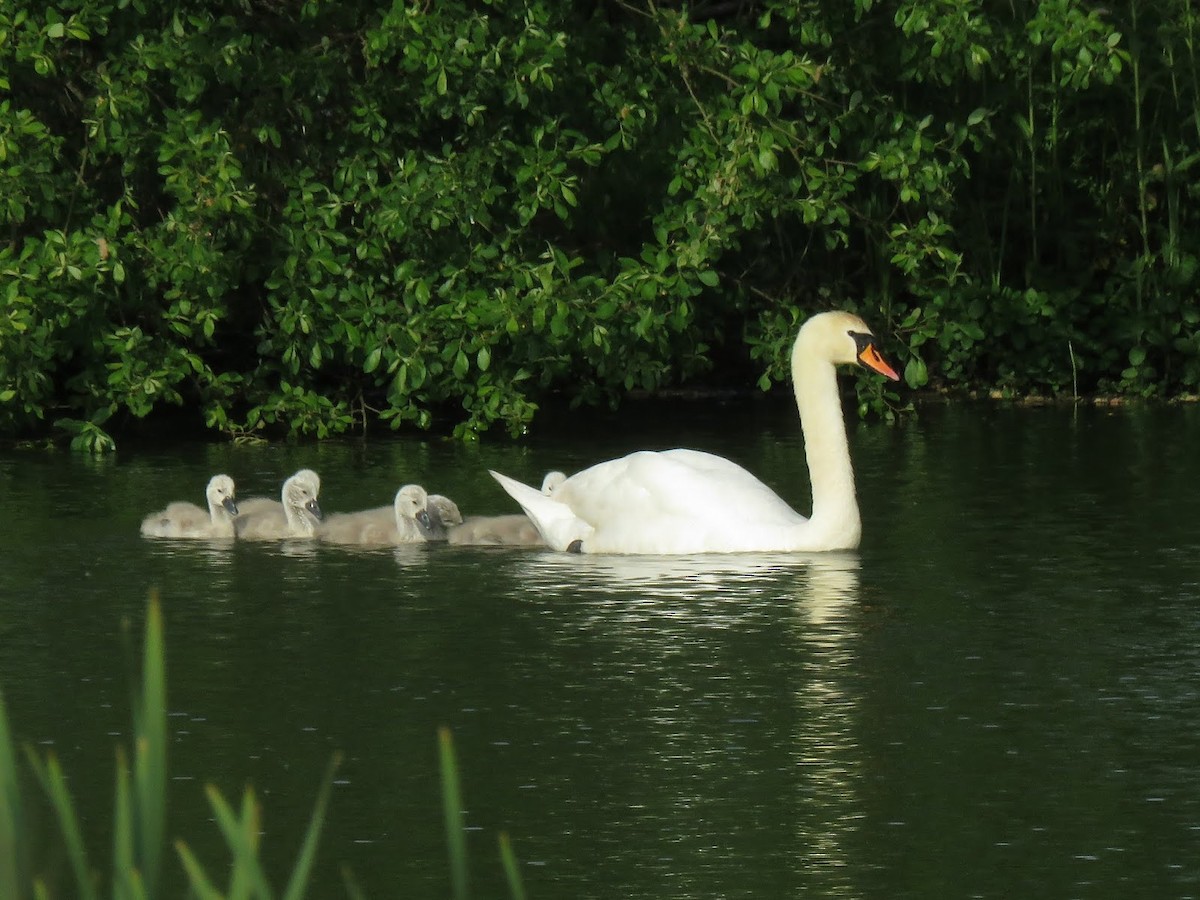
pixel 187 520
pixel 262 519
pixel 687 501
pixel 406 521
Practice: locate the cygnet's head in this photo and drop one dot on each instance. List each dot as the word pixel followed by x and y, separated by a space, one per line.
pixel 413 503
pixel 443 514
pixel 220 494
pixel 300 494
pixel 551 482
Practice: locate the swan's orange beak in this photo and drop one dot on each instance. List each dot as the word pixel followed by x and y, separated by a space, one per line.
pixel 869 356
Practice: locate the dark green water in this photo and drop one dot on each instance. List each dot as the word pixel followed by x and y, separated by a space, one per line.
pixel 997 696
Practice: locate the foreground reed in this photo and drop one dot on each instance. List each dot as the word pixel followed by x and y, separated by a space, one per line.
pixel 139 830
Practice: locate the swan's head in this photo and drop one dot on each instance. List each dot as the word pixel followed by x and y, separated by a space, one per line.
pixel 842 337
pixel 300 494
pixel 443 513
pixel 551 482
pixel 413 503
pixel 220 494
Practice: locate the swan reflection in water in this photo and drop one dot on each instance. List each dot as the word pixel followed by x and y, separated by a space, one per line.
pixel 215 551
pixel 739 575
pixel 662 611
pixel 826 749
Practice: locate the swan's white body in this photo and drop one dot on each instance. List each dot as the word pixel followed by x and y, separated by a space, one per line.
pixel 297 516
pixel 187 520
pixel 406 521
pixel 687 501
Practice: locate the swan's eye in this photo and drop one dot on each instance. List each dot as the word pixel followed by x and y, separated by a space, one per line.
pixel 861 340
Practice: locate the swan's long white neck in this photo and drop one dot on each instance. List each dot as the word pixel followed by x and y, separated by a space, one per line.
pixel 835 519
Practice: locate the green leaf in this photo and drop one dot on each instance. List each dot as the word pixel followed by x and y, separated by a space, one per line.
pixel 456 835
pixel 126 878
pixel 197 878
pixel 915 373
pixel 461 365
pixel 11 824
pixel 150 756
pixel 308 849
pixel 241 835
pixel 708 277
pixel 54 782
pixel 483 359
pixel 512 870
pixel 372 361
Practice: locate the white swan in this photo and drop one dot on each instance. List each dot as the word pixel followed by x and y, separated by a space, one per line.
pixel 187 520
pixel 406 521
pixel 262 519
pixel 686 501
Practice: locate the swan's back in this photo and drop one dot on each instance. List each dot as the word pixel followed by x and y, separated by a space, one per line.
pixel 508 531
pixel 182 519
pixel 253 506
pixel 360 527
pixel 686 485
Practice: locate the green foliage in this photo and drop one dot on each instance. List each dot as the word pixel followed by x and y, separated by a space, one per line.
pixel 304 219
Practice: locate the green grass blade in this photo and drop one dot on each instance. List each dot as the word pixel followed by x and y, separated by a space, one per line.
pixel 241 835
pixel 201 886
pixel 124 853
pixel 512 869
pixel 298 883
pixel 150 760
pixel 50 774
pixel 456 834
pixel 12 851
pixel 352 888
pixel 241 880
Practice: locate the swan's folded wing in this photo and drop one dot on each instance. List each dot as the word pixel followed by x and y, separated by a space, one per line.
pixel 673 488
pixel 555 522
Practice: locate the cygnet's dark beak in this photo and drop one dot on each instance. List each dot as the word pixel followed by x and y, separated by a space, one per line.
pixel 313 508
pixel 230 506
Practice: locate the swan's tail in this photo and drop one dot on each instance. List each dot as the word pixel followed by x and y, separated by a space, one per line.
pixel 555 522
